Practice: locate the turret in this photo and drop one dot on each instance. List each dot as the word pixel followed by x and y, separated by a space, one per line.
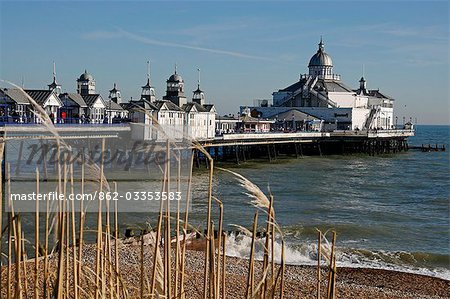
pixel 198 96
pixel 148 92
pixel 54 85
pixel 114 95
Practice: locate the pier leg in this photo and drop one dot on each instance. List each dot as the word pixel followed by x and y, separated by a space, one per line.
pixel 45 160
pixel 296 150
pixel 268 153
pixel 236 150
pixel 320 150
pixel 197 159
pixel 274 151
pixel 19 159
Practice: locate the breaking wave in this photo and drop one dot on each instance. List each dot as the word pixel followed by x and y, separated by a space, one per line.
pixel 306 254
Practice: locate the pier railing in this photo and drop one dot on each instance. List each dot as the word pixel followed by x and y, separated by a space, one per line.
pixel 227 137
pixel 391 133
pixel 316 135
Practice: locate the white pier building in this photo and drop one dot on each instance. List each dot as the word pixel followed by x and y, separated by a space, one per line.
pixel 322 95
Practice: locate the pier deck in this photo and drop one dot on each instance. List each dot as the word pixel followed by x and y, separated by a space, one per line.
pixel 238 147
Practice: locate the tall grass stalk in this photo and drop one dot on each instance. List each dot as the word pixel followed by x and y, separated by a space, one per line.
pixel 36 241
pixel 2 148
pixel 141 278
pixel 319 257
pixel 46 232
pixel 282 269
pixel 251 270
pixel 18 255
pixel 224 265
pixel 212 264
pixel 177 228
pixel 24 263
pixel 331 293
pixel 185 226
pixel 98 255
pixel 74 239
pixel 81 220
pixel 10 237
pixel 267 243
pixel 157 287
pixel 116 243
pixel 67 243
pixel 219 245
pixel 167 239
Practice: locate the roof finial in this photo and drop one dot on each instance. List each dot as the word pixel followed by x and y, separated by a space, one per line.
pixel 198 80
pixel 363 70
pixel 148 70
pixel 175 68
pixel 54 70
pixel 321 44
pixel 114 85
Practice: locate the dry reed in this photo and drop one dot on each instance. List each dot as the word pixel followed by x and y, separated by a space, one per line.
pixel 104 278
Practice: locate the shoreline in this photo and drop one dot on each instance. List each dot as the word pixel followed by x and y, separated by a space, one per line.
pixel 300 280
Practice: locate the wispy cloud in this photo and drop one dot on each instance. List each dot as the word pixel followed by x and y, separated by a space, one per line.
pixel 120 33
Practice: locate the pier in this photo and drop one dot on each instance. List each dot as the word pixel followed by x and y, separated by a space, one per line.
pixel 241 147
pixel 429 148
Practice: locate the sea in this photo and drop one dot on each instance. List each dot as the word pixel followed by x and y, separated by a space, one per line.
pixel 388 211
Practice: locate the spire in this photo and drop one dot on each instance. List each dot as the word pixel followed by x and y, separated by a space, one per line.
pixel 198 96
pixel 175 68
pixel 54 75
pixel 321 44
pixel 54 71
pixel 148 92
pixel 114 88
pixel 54 85
pixel 148 84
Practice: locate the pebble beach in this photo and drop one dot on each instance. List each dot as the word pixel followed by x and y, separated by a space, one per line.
pixel 300 281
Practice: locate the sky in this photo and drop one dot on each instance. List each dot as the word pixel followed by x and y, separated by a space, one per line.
pixel 245 49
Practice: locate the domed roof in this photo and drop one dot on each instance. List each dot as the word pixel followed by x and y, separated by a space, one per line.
pixel 86 76
pixel 320 58
pixel 175 78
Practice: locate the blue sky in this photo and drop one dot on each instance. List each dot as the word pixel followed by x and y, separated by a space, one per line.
pixel 245 50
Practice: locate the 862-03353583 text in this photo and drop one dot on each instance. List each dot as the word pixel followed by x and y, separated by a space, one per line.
pixel 97 195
